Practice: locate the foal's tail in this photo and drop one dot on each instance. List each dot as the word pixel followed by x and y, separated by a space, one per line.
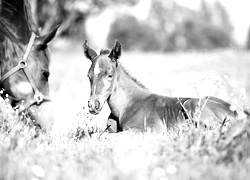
pixel 239 114
pixel 228 107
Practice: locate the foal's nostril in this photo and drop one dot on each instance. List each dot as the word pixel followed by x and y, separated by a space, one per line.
pixel 94 106
pixel 97 105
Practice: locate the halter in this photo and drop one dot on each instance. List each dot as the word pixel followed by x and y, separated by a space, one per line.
pixel 22 64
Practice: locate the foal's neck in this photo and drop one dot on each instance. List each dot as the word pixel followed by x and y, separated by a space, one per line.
pixel 127 91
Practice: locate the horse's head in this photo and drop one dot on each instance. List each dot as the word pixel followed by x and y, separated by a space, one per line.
pixel 25 73
pixel 102 75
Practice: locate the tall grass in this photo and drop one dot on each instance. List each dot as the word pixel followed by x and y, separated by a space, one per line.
pixel 186 152
pixel 85 152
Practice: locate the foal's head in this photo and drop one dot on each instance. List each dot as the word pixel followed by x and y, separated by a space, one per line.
pixel 25 72
pixel 102 75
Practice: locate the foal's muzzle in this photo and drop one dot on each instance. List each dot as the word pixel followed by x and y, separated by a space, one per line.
pixel 94 106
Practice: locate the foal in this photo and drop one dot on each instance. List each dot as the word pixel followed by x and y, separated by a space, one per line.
pixel 134 107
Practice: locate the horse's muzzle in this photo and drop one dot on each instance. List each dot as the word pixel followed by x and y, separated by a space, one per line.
pixel 43 115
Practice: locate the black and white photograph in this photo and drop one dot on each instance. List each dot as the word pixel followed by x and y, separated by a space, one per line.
pixel 124 90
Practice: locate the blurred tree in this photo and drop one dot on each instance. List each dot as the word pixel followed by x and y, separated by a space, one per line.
pixel 205 11
pixel 248 39
pixel 133 34
pixel 181 28
pixel 71 14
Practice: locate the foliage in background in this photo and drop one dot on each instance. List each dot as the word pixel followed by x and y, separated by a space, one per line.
pixel 248 39
pixel 133 34
pixel 71 14
pixel 171 27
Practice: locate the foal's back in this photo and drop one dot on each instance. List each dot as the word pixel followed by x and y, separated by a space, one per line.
pixel 159 113
pixel 153 112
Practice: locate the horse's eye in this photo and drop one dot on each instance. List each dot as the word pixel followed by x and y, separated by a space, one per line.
pixel 46 74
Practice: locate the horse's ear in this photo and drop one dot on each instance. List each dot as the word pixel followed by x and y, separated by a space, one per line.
pixel 47 38
pixel 116 51
pixel 89 53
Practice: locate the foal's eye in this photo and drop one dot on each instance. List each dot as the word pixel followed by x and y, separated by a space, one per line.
pixel 89 76
pixel 110 76
pixel 46 74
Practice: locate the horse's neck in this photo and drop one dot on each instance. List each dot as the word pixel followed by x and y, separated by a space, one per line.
pixel 125 93
pixel 9 55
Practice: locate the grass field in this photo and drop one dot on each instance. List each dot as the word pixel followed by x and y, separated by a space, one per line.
pixel 223 74
pixel 69 152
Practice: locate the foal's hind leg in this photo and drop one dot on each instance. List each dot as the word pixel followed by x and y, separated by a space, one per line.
pixel 113 123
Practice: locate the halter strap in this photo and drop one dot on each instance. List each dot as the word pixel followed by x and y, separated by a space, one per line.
pixel 9 73
pixel 22 64
pixel 30 44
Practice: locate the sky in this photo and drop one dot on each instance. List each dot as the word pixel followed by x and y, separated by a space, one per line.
pixel 238 11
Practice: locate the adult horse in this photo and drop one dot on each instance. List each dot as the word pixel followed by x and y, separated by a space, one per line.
pixel 24 61
pixel 134 107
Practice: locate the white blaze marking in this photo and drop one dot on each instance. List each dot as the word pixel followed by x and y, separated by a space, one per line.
pixel 96 72
pixel 97 69
pixel 24 87
pixel 94 88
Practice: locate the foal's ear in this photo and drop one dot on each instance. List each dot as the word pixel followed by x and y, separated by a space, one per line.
pixel 47 38
pixel 116 51
pixel 89 53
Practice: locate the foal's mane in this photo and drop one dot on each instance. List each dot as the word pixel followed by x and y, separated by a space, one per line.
pixel 133 78
pixel 106 52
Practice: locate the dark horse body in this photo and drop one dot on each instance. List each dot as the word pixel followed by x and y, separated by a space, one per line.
pixel 134 107
pixel 24 61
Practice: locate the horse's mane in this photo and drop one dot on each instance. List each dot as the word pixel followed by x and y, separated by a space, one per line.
pixel 16 21
pixel 6 32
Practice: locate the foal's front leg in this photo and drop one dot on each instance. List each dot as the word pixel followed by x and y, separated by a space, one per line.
pixel 113 123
